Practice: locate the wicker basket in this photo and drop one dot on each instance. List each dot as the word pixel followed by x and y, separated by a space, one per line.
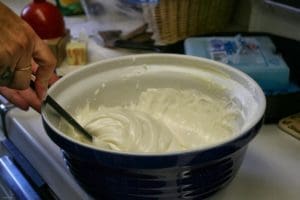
pixel 174 20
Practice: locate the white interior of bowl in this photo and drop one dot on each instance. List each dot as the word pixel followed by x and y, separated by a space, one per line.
pixel 119 81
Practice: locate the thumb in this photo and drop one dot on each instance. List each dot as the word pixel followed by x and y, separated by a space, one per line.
pixel 43 56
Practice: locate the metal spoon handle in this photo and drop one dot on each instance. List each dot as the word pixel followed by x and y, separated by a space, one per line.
pixel 61 111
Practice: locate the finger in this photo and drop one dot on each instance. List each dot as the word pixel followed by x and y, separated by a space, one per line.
pixel 16 52
pixel 6 76
pixel 31 97
pixel 34 67
pixel 47 62
pixel 11 47
pixel 9 56
pixel 22 72
pixel 54 77
pixel 14 97
pixel 21 78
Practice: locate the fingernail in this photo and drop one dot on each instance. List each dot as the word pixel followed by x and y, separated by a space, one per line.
pixel 44 95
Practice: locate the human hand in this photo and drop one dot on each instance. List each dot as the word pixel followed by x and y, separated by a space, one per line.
pixel 19 46
pixel 25 98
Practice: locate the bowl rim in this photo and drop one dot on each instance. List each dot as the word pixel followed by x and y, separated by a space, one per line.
pixel 260 110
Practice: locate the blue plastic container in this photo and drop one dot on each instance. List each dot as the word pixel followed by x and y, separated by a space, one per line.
pixel 256 56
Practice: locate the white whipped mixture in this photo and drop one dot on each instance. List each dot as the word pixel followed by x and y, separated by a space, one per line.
pixel 162 120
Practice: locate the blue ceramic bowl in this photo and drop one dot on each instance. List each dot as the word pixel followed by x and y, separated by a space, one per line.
pixel 192 174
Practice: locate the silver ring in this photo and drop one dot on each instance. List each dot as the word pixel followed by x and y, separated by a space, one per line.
pixel 6 76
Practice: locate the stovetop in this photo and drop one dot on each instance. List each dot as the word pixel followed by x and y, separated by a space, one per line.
pixel 270 169
pixel 26 133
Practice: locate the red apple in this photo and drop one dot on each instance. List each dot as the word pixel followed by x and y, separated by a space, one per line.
pixel 45 19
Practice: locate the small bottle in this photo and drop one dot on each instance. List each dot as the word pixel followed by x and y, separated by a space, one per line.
pixel 70 7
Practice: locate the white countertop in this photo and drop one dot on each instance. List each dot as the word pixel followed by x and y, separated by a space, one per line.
pixel 271 169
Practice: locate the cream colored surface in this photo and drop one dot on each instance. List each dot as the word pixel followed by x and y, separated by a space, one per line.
pixel 163 120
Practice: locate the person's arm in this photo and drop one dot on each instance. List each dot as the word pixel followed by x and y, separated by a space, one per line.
pixel 20 51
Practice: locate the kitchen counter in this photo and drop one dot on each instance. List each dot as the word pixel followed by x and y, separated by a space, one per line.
pixel 270 170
